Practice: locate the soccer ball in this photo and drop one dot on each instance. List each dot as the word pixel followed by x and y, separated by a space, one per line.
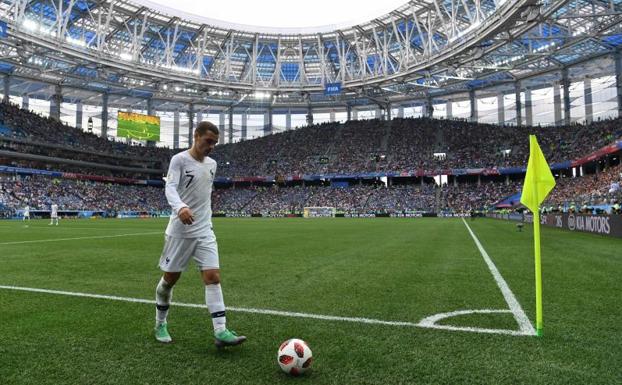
pixel 294 356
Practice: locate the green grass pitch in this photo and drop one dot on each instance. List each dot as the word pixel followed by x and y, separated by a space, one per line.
pixel 380 269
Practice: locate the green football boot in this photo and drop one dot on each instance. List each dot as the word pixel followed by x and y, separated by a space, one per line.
pixel 227 338
pixel 161 334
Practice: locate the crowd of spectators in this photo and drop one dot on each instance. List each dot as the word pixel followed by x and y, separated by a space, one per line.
pixel 596 189
pixel 67 153
pixel 29 125
pixel 404 198
pixel 343 148
pixel 70 168
pixel 39 192
pixel 406 145
pixel 467 197
pixel 357 198
pixel 232 199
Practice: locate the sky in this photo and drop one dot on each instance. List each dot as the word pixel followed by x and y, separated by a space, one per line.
pixel 284 14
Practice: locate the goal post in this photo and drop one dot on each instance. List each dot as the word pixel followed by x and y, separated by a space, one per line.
pixel 318 212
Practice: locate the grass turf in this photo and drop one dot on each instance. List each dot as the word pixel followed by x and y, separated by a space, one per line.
pixel 388 269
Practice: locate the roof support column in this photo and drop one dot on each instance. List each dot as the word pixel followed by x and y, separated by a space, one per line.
pixel 7 88
pixel 566 85
pixel 429 107
pixel 25 102
pixel 500 109
pixel 190 124
pixel 528 108
pixel 288 120
pixel 473 102
pixel 449 109
pixel 150 107
pixel 519 107
pixel 176 129
pixel 587 99
pixel 348 113
pixel 230 133
pixel 79 115
pixel 55 102
pixel 267 126
pixel 221 127
pixel 557 105
pixel 104 132
pixel 150 143
pixel 244 128
pixel 617 56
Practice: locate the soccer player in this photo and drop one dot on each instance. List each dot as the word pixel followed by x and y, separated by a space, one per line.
pixel 189 234
pixel 54 215
pixel 26 213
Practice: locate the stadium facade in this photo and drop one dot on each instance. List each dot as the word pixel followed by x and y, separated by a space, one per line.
pixel 512 62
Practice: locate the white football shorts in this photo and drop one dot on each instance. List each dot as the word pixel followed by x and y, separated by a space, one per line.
pixel 177 253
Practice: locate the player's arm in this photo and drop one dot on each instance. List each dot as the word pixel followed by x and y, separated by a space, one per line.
pixel 172 196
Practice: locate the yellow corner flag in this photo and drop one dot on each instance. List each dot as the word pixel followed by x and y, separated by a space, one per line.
pixel 539 182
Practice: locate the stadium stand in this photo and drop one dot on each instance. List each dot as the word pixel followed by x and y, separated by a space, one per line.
pixel 31 141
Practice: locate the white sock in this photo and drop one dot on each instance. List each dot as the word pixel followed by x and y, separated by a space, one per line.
pixel 164 293
pixel 216 306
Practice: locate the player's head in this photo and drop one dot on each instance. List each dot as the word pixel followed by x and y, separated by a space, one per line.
pixel 205 137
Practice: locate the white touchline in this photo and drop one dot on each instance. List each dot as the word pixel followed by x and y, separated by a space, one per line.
pixel 515 307
pixel 78 238
pixel 427 323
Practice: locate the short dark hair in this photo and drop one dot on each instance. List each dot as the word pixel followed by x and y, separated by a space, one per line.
pixel 205 126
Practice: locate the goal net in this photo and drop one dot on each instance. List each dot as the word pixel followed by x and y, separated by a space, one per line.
pixel 318 212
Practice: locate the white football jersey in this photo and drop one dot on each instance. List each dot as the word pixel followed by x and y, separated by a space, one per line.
pixel 54 210
pixel 27 210
pixel 189 184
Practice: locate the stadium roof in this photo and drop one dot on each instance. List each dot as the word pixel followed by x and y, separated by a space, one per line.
pixel 421 49
pixel 277 16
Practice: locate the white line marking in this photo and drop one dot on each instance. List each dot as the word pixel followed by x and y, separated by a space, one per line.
pixel 430 322
pixel 425 323
pixel 65 226
pixel 519 314
pixel 78 238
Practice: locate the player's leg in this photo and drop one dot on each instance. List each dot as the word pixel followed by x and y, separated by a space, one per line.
pixel 214 298
pixel 164 294
pixel 206 256
pixel 174 259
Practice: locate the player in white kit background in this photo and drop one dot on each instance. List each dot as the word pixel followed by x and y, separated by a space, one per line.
pixel 189 234
pixel 54 214
pixel 26 213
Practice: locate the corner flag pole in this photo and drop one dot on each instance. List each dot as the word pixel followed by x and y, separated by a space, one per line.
pixel 538 263
pixel 539 182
